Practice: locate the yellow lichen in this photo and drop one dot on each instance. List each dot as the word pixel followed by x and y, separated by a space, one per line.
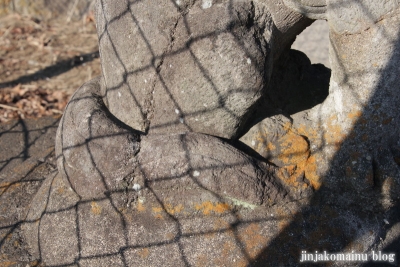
pixel 96 208
pixel 208 207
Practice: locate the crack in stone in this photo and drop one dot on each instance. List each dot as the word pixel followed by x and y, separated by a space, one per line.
pixel 149 103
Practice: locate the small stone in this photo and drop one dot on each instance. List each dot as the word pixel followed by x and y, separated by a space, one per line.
pixel 136 187
pixel 206 4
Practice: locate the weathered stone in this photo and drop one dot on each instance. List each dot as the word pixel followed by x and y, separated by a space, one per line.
pixel 168 190
pixel 202 69
pixel 192 159
pixel 86 153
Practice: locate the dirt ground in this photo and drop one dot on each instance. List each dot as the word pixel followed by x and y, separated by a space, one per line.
pixel 43 63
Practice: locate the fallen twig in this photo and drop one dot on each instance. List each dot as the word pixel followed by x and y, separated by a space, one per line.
pixel 9 107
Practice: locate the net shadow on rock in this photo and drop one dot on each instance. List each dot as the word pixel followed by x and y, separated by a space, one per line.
pixel 159 84
pixel 24 166
pixel 359 192
pixel 128 237
pixel 131 208
pixel 139 205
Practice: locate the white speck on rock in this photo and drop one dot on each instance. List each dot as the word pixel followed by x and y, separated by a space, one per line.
pixel 181 120
pixel 386 221
pixel 119 94
pixel 145 81
pixel 248 61
pixel 196 173
pixel 253 143
pixel 206 4
pixel 170 65
pixel 136 187
pixel 178 2
pixel 177 111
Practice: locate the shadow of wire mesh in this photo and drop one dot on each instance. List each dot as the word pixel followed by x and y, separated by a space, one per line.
pixel 190 226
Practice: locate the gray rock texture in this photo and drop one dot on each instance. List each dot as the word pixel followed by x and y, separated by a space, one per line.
pixel 219 54
pixel 309 165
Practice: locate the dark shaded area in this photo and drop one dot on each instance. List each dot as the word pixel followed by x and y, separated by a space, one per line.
pixel 343 204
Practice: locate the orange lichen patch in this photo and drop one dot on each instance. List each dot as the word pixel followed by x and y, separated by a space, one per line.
pixel 355 115
pixel 288 149
pixel 293 149
pixel 208 207
pixel 252 240
pixel 157 209
pixel 60 190
pixel 96 209
pixel 5 184
pixel 173 209
pixel 311 133
pixel 158 212
pixel 140 207
pixel 144 252
pixel 159 216
pixel 310 171
pixel 292 176
pixel 8 187
pixel 8 263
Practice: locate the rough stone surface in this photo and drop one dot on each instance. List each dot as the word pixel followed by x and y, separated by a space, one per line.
pixel 26 158
pixel 188 199
pixel 219 54
pixel 85 133
pixel 192 159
